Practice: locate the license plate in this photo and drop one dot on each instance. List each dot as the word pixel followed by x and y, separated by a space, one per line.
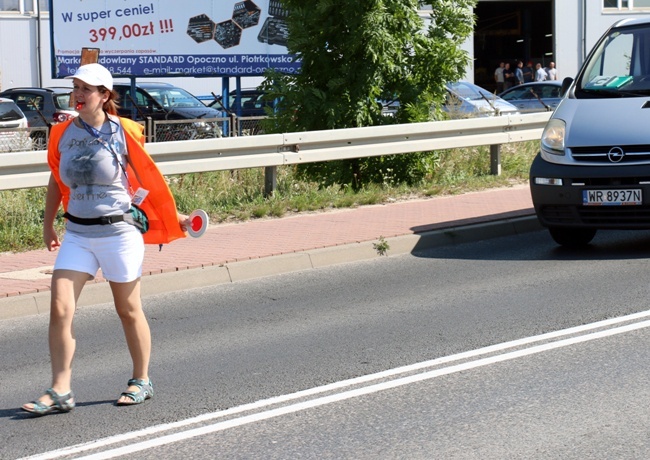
pixel 623 197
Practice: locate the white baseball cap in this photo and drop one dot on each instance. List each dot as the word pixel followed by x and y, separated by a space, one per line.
pixel 95 75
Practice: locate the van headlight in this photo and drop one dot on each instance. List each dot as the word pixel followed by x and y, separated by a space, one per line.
pixel 553 136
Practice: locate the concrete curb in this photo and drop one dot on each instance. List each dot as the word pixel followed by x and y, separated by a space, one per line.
pixel 96 293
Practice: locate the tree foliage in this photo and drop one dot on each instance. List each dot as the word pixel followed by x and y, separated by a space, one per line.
pixel 354 55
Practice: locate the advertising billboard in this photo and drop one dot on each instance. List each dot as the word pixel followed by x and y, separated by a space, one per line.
pixel 171 38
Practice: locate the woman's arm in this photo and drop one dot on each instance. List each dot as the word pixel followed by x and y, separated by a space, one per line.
pixel 52 203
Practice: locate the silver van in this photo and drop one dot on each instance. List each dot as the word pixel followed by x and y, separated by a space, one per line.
pixel 593 168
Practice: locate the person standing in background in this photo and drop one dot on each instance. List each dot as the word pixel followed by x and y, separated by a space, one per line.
pixel 540 73
pixel 552 71
pixel 519 73
pixel 509 77
pixel 499 77
pixel 529 75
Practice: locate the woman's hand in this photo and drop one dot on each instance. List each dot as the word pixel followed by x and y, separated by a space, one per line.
pixel 184 221
pixel 50 238
pixel 52 203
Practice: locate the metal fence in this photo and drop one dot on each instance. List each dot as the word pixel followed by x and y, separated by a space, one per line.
pixel 247 126
pixel 23 139
pixel 183 130
pixel 202 128
pixel 26 139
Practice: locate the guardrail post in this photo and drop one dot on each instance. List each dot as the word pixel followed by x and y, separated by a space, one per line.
pixel 495 160
pixel 150 130
pixel 270 180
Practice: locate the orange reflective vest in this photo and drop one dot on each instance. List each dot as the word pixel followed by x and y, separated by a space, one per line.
pixel 159 204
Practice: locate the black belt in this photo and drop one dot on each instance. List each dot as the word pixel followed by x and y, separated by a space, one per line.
pixel 104 220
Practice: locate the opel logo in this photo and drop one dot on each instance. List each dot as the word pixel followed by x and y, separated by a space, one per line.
pixel 615 154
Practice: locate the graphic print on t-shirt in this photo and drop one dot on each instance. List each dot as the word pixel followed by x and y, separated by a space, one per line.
pixel 97 185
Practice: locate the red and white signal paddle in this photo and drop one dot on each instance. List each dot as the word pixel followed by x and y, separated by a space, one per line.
pixel 198 223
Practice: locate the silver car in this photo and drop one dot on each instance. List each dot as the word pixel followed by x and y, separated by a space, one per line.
pixel 538 96
pixel 466 100
pixel 14 132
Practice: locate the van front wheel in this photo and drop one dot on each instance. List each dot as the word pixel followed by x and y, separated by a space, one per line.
pixel 572 237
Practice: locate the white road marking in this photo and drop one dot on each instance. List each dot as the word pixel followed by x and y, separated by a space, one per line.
pixel 266 413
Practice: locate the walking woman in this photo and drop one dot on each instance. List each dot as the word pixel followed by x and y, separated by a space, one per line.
pixel 99 170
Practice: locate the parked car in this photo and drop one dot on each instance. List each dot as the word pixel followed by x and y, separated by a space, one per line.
pixel 389 108
pixel 166 102
pixel 14 136
pixel 251 103
pixel 250 106
pixel 43 108
pixel 465 100
pixel 593 168
pixel 538 96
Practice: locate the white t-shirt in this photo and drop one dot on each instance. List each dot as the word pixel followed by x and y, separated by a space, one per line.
pixel 498 74
pixel 540 75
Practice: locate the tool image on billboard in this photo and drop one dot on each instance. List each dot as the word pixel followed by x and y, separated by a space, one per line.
pixel 227 33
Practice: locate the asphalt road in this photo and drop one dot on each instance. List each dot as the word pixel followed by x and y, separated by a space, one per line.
pixel 449 353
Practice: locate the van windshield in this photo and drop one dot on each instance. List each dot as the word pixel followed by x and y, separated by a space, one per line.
pixel 619 66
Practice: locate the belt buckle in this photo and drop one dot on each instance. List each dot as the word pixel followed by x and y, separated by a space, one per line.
pixel 105 220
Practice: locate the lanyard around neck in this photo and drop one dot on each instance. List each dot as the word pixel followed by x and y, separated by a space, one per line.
pixel 97 135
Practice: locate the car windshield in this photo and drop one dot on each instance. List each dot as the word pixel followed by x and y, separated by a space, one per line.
pixel 521 93
pixel 174 97
pixel 469 92
pixel 246 99
pixel 619 65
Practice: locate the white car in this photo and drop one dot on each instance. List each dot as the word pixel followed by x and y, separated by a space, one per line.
pixel 14 129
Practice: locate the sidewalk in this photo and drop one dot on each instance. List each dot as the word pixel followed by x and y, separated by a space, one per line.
pixel 234 252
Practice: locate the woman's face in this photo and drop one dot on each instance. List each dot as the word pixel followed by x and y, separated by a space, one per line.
pixel 88 98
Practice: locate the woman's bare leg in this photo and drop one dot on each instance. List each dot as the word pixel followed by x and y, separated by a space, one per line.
pixel 136 329
pixel 66 288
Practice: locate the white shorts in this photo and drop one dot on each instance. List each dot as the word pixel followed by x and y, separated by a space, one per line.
pixel 120 257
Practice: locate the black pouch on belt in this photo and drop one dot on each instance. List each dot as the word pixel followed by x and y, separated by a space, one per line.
pixel 136 217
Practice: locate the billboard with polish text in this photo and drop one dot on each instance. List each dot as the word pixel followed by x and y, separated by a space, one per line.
pixel 171 38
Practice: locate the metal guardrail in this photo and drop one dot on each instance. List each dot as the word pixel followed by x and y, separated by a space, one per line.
pixel 29 169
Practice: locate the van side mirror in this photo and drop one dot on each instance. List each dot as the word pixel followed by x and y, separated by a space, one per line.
pixel 566 83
